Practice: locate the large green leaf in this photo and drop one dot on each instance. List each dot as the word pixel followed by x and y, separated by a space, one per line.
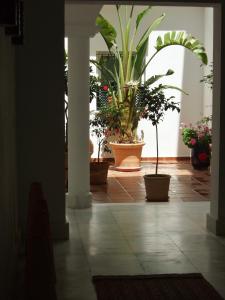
pixel 102 67
pixel 107 31
pixel 185 40
pixel 164 87
pixel 154 78
pixel 141 16
pixel 152 27
pixel 140 60
pixel 142 46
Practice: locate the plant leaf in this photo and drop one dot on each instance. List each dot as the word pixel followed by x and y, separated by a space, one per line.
pixel 154 78
pixel 152 27
pixel 140 61
pixel 164 87
pixel 182 39
pixel 141 16
pixel 107 31
pixel 101 67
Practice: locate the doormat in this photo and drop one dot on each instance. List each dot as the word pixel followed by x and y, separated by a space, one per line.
pixel 155 287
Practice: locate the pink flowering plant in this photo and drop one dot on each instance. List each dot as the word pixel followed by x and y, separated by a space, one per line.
pixel 198 135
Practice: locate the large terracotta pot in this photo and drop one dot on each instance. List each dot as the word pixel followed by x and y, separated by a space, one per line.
pixel 157 187
pixel 127 156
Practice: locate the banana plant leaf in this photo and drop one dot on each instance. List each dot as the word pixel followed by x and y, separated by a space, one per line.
pixel 154 78
pixel 185 40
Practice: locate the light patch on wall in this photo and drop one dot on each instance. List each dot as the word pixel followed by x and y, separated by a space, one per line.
pixel 171 57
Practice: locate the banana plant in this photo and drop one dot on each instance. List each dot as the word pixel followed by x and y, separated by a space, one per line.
pixel 129 62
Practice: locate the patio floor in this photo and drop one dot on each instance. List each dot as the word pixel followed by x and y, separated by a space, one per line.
pixel 186 184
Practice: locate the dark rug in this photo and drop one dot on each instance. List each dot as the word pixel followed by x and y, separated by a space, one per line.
pixel 155 287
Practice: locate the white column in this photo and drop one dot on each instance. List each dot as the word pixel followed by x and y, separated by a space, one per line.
pixel 216 217
pixel 79 195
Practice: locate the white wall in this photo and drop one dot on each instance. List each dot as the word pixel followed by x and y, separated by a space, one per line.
pixel 207 103
pixel 187 76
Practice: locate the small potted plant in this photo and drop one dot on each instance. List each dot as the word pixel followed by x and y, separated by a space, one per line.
pixel 99 168
pixel 198 138
pixel 155 106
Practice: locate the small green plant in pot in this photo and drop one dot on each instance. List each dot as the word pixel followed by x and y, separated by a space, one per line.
pixel 156 104
pixel 99 168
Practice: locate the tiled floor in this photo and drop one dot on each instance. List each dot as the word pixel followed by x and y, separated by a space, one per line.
pixel 127 187
pixel 140 237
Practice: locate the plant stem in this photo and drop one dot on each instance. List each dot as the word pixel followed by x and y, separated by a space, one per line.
pixel 157 149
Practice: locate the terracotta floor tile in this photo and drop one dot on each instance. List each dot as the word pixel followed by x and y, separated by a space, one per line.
pixel 186 184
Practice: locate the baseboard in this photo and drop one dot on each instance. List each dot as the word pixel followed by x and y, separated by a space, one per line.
pixel 167 159
pixel 152 159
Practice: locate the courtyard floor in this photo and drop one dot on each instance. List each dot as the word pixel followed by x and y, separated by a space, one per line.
pixel 133 236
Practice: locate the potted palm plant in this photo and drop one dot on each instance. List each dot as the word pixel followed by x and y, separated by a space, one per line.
pixel 155 105
pixel 128 66
pixel 99 169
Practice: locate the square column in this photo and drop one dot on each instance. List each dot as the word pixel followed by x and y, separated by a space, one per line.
pixel 79 195
pixel 216 217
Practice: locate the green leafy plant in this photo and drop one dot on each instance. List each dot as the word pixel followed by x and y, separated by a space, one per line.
pixel 155 104
pixel 99 128
pixel 129 62
pixel 198 135
pixel 94 85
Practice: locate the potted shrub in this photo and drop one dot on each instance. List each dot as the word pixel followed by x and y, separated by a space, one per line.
pixel 155 106
pixel 129 65
pixel 198 138
pixel 99 169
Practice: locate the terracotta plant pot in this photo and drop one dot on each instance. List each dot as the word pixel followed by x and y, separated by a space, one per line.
pixel 157 187
pixel 99 172
pixel 127 156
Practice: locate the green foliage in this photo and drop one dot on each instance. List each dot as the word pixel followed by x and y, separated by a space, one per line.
pixel 154 105
pixel 198 135
pixel 185 40
pixel 129 64
pixel 94 85
pixel 189 134
pixel 99 128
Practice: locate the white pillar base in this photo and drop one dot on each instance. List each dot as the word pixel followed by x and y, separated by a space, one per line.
pixel 79 201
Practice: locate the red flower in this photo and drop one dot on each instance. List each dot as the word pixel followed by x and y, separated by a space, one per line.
pixel 105 87
pixel 202 156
